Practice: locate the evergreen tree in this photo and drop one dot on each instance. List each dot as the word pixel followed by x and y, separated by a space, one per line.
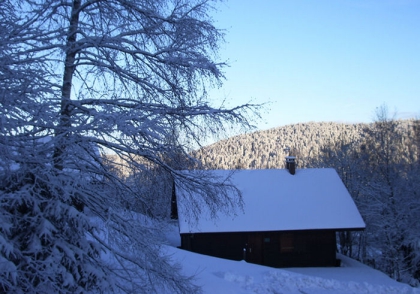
pixel 82 78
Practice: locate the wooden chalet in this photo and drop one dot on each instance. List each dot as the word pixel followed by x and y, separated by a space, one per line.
pixel 288 220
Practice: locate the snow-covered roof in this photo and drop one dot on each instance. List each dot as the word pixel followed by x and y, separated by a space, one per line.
pixel 275 200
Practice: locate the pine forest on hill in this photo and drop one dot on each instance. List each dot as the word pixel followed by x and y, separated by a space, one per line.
pixel 307 141
pixel 378 163
pixel 265 149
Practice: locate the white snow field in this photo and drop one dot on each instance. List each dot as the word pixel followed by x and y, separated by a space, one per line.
pixel 216 275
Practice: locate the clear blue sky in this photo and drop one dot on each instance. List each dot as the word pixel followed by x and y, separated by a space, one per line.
pixel 321 60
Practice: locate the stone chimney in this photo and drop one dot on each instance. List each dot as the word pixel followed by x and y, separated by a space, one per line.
pixel 291 164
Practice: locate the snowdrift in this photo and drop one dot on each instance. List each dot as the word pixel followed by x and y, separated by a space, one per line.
pixel 217 275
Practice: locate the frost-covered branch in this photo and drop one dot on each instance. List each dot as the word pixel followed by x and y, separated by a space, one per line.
pixel 101 104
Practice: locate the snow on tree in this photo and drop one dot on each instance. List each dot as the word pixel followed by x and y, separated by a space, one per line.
pixel 81 78
pixel 389 199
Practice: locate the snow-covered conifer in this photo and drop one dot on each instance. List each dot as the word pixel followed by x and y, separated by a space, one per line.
pixel 80 79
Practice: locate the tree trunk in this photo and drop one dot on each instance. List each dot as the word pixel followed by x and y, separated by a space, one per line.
pixel 65 107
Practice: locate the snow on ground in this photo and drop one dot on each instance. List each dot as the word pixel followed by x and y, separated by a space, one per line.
pixel 216 275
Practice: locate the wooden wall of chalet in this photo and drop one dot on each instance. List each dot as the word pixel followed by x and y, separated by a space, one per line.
pixel 276 249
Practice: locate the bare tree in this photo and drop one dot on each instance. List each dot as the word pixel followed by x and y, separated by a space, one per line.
pixel 80 78
pixel 389 199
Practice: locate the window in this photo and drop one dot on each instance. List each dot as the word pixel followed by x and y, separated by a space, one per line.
pixel 286 243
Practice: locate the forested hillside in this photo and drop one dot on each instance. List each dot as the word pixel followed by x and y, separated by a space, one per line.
pixel 265 149
pixel 378 163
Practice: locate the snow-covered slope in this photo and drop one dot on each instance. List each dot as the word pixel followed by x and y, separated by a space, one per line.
pixel 217 275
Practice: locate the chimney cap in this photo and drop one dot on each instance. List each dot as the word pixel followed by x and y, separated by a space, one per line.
pixel 290 158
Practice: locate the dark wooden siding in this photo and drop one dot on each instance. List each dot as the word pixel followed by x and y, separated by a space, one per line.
pixel 276 249
pixel 222 245
pixel 299 248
